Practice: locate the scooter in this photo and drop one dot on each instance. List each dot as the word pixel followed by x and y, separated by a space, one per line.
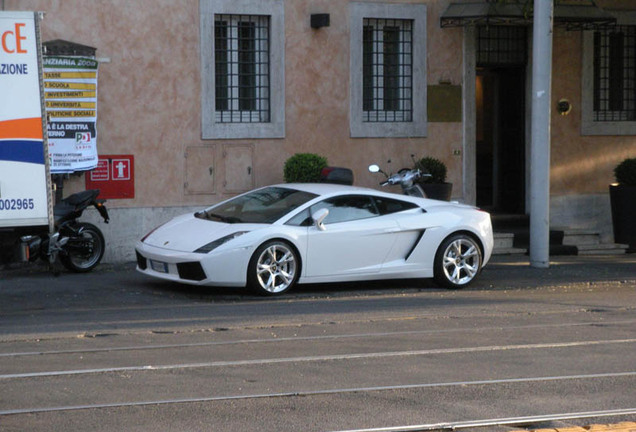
pixel 405 177
pixel 79 246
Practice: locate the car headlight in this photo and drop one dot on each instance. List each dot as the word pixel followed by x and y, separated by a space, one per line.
pixel 218 242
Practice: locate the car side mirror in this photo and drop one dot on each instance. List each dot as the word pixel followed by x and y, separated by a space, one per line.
pixel 319 216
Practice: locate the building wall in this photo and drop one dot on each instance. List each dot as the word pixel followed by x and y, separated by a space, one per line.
pixel 149 102
pixel 149 106
pixel 582 166
pixel 579 164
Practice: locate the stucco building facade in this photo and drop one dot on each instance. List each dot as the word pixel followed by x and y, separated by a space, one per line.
pixel 212 96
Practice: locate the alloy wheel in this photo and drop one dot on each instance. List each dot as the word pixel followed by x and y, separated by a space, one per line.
pixel 276 268
pixel 461 261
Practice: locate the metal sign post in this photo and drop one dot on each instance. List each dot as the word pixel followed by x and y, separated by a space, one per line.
pixel 540 150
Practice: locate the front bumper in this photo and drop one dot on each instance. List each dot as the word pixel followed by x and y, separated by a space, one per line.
pixel 227 268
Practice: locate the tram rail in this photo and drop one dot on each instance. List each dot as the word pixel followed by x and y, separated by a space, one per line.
pixel 512 421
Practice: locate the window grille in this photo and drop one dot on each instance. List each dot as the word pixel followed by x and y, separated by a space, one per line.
pixel 501 46
pixel 387 70
pixel 615 74
pixel 241 60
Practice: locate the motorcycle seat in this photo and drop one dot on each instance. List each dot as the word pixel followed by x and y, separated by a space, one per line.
pixel 73 203
pixel 81 197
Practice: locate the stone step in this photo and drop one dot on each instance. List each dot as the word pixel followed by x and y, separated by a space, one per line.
pixel 503 222
pixel 503 245
pixel 509 251
pixel 503 240
pixel 577 237
pixel 602 249
pixel 575 242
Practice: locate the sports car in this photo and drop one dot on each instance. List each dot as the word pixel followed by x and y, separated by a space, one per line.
pixel 275 237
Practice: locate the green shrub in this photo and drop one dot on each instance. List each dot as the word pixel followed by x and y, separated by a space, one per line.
pixel 435 167
pixel 304 168
pixel 625 172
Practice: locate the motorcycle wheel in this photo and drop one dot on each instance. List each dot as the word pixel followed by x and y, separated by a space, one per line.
pixel 82 253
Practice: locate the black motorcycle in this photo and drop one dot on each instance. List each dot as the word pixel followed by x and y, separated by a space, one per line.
pixel 79 246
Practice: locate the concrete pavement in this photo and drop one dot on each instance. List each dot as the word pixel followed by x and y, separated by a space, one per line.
pixel 514 271
pixel 115 303
pixel 502 272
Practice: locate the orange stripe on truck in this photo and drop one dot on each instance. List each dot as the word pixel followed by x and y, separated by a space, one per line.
pixel 30 128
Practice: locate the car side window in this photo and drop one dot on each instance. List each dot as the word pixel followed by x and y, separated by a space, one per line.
pixel 389 205
pixel 347 208
pixel 301 219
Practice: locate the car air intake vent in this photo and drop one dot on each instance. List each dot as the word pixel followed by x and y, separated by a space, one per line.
pixel 142 263
pixel 191 271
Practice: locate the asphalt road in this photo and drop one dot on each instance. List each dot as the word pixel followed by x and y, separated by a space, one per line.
pixel 113 350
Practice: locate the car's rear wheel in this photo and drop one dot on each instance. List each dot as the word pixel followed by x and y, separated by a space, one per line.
pixel 457 261
pixel 274 268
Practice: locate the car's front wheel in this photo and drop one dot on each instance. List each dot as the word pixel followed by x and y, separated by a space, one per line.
pixel 273 269
pixel 457 261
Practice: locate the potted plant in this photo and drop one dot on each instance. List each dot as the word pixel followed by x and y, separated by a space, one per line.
pixel 623 203
pixel 304 168
pixel 434 185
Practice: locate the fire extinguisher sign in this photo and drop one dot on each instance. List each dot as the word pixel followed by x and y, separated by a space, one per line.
pixel 25 199
pixel 114 177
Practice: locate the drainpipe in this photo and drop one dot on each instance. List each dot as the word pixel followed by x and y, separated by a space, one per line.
pixel 540 145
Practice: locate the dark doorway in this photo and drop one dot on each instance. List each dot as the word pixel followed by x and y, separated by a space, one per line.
pixel 501 139
pixel 500 113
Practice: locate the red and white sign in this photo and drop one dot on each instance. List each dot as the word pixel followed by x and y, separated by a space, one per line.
pixel 114 176
pixel 120 169
pixel 101 172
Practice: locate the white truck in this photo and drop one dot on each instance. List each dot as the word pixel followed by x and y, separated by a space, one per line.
pixel 25 198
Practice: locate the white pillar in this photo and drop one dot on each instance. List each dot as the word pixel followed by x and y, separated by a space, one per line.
pixel 540 147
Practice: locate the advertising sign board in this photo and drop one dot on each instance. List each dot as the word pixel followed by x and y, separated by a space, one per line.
pixel 70 93
pixel 24 180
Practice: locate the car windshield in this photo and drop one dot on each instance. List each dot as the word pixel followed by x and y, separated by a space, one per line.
pixel 265 205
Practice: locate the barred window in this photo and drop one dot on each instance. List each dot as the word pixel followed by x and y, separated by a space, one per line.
pixel 241 68
pixel 501 46
pixel 387 70
pixel 614 78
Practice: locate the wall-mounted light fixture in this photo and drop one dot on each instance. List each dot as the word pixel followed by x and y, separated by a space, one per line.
pixel 319 20
pixel 564 107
